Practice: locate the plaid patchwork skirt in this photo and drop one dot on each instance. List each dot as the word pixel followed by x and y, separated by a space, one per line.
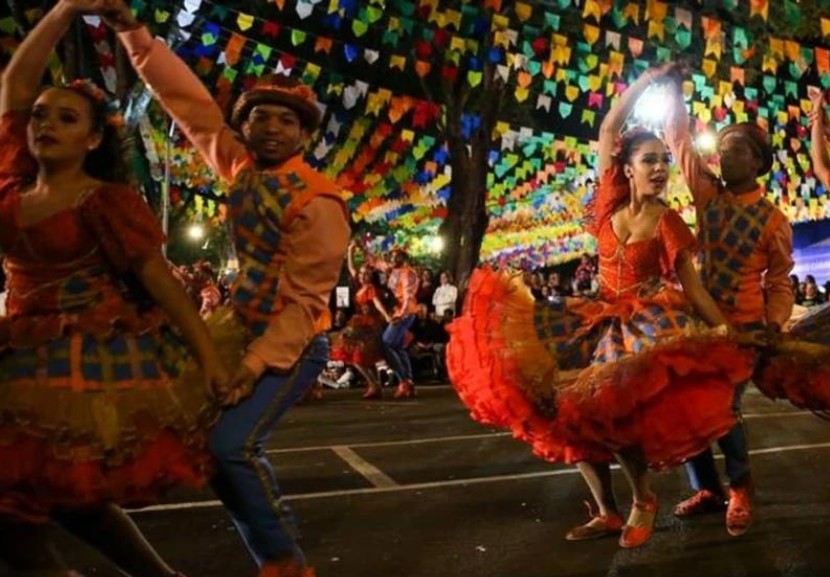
pixel 582 379
pixel 88 419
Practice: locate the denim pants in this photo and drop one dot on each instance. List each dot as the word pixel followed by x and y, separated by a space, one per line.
pixel 394 347
pixel 701 469
pixel 244 479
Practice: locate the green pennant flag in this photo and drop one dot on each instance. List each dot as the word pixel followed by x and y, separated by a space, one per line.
pixel 373 14
pixel 552 21
pixel 683 38
pixel 390 38
pixel 792 13
pixel 565 109
pixel 405 7
pixel 769 83
pixel 359 27
pixel 751 93
pixel 297 37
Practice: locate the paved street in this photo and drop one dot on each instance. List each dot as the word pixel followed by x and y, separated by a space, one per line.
pixel 416 489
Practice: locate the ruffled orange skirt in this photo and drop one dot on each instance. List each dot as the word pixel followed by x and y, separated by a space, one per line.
pixel 797 368
pixel 584 379
pixel 119 418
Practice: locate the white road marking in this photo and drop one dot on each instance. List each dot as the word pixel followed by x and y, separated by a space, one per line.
pixel 478 436
pixel 371 473
pixel 441 484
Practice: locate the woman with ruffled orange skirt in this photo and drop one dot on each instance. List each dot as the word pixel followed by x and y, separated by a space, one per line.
pixel 636 374
pixel 100 404
pixel 359 343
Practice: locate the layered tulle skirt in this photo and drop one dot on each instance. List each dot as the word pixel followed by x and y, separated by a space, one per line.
pixel 585 378
pixel 797 367
pixel 359 343
pixel 116 417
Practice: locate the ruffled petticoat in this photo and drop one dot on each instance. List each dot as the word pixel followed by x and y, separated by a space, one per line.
pixel 581 380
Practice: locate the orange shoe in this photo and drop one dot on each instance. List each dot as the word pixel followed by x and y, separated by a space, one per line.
pixel 285 569
pixel 373 391
pixel 739 511
pixel 599 526
pixel 702 502
pixel 406 390
pixel 640 534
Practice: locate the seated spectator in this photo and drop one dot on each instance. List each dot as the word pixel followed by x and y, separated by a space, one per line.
pixel 812 296
pixel 586 272
pixel 426 289
pixel 445 295
pixel 428 340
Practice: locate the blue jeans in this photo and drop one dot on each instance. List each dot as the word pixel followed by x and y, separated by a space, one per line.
pixel 701 469
pixel 394 347
pixel 244 479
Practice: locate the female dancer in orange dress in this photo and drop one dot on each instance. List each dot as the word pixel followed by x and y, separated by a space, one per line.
pixel 653 384
pixel 98 405
pixel 359 343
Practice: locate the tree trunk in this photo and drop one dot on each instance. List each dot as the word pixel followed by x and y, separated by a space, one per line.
pixel 466 222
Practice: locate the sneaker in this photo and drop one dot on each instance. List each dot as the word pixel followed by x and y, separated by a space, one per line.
pixel 701 503
pixel 739 511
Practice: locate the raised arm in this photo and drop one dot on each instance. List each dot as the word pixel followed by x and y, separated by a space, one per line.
pixel 702 183
pixel 818 146
pixel 350 260
pixel 180 92
pixel 22 77
pixel 614 121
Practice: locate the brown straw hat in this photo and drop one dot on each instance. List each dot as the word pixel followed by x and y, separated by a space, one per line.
pixel 282 90
pixel 756 136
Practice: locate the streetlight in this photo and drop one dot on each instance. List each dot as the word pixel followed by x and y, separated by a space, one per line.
pixel 196 232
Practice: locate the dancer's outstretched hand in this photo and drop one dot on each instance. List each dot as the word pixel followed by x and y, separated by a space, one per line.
pixel 817 100
pixel 752 338
pixel 217 379
pixel 118 16
pixel 241 386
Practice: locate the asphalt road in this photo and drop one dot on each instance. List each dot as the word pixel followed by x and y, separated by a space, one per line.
pixel 416 489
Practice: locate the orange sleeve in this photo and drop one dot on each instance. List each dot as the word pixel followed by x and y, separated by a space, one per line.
pixel 186 99
pixel 780 297
pixel 15 160
pixel 316 245
pixel 676 237
pixel 703 184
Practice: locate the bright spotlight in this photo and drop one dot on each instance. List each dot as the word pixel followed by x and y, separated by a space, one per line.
pixel 652 106
pixel 436 244
pixel 196 232
pixel 707 142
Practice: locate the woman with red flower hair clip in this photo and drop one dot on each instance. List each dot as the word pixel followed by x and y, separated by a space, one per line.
pixel 99 406
pixel 633 375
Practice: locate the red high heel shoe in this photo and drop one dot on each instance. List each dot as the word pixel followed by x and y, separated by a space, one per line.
pixel 286 569
pixel 406 390
pixel 636 536
pixel 373 391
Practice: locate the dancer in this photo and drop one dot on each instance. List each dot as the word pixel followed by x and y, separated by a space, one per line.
pixel 746 259
pixel 653 385
pixel 359 343
pixel 290 229
pixel 403 282
pixel 98 406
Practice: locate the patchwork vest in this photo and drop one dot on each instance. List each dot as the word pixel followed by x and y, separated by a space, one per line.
pixel 263 206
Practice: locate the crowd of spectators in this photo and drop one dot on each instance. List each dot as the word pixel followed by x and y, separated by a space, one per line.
pixel 808 293
pixel 555 284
